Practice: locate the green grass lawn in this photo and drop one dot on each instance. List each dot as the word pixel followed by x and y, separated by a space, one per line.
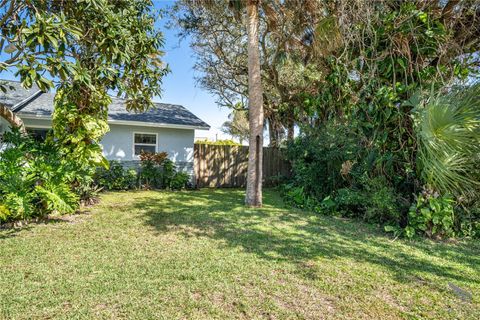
pixel 202 255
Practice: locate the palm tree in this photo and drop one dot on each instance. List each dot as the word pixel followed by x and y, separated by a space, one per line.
pixel 255 93
pixel 253 196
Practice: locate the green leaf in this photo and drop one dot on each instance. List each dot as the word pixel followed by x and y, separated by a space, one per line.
pixel 10 48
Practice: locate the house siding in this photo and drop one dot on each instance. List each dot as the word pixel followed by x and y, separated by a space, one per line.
pixel 36 123
pixel 178 143
pixel 4 125
pixel 118 143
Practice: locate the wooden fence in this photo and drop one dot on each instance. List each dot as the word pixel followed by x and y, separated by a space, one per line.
pixel 226 166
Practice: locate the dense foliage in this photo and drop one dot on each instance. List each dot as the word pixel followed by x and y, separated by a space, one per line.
pixel 87 48
pixel 116 177
pixel 156 171
pixel 393 134
pixel 35 179
pixel 225 142
pixel 333 172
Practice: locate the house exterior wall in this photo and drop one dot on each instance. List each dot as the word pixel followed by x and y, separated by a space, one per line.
pixel 178 143
pixel 118 143
pixel 4 125
pixel 37 123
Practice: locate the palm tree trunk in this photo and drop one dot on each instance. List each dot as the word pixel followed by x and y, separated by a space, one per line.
pixel 255 104
pixel 11 118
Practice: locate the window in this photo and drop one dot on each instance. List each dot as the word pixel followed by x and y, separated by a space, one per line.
pixel 146 142
pixel 38 134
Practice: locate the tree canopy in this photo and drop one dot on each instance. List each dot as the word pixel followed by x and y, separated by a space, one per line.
pixel 91 47
pixel 237 125
pixel 317 55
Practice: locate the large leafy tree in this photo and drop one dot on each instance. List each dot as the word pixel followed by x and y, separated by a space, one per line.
pixel 91 47
pixel 30 44
pixel 261 63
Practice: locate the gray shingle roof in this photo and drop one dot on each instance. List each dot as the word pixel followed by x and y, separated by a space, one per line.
pixel 16 94
pixel 42 106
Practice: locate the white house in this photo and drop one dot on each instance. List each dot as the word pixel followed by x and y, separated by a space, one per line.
pixel 166 127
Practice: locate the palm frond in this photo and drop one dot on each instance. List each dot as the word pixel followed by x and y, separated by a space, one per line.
pixel 449 136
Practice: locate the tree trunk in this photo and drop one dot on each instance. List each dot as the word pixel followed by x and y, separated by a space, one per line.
pixel 291 130
pixel 255 115
pixel 11 118
pixel 272 133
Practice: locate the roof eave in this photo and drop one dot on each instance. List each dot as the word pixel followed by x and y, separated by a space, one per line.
pixel 158 125
pixel 131 123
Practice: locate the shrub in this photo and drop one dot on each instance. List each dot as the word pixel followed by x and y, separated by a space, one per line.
pixel 332 171
pixel 157 171
pixel 4 213
pixel 35 180
pixel 373 200
pixel 432 215
pixel 57 198
pixel 179 181
pixel 294 195
pixel 116 177
pixel 86 185
pixel 168 171
pixel 317 157
pixel 349 201
pixel 151 169
pixel 468 220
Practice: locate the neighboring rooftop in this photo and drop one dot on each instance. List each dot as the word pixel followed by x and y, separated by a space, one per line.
pixel 34 102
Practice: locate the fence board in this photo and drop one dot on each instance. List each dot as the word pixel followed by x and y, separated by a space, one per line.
pixel 226 166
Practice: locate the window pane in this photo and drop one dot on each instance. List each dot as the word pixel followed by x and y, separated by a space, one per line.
pixel 145 138
pixel 139 149
pixel 38 134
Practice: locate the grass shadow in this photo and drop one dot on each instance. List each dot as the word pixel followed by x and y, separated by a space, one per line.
pixel 282 234
pixel 12 229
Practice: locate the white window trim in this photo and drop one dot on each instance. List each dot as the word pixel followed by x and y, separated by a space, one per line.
pixel 143 144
